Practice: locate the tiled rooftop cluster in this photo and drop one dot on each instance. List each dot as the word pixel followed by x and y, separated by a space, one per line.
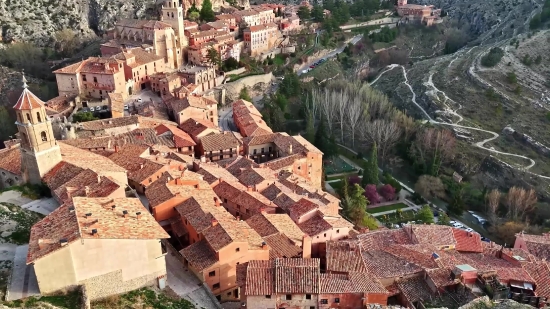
pixel 249 119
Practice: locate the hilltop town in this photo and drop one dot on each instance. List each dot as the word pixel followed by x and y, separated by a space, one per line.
pixel 151 178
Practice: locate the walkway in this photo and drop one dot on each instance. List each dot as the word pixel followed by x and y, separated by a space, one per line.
pixel 23 281
pixel 14 197
pixel 42 206
pixel 184 283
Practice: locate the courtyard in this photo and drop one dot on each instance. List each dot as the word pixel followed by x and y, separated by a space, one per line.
pixel 336 165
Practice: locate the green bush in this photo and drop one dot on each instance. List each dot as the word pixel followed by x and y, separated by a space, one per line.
pixel 493 57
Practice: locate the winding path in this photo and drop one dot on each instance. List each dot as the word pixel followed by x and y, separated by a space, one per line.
pixel 480 144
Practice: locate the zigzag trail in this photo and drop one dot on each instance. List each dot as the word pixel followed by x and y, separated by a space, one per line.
pixel 456 124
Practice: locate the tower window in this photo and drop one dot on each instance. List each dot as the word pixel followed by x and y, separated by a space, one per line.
pixel 43 136
pixel 172 14
pixel 28 117
pixel 38 117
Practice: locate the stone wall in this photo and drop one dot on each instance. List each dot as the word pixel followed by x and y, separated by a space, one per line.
pixel 234 88
pixel 112 284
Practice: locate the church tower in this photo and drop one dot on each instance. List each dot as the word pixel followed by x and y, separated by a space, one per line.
pixel 39 150
pixel 173 13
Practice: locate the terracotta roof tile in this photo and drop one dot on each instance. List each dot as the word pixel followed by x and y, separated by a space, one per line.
pixel 437 235
pixel 315 225
pixel 378 240
pixel 87 159
pixel 297 276
pixel 282 247
pixel 212 172
pixel 10 160
pixel 270 224
pixel 181 139
pixel 302 207
pixel 467 241
pixel 382 264
pixel 27 101
pixel 194 126
pixel 541 273
pixel 352 282
pixel 251 177
pixel 219 141
pixel 441 277
pixel 344 256
pixel 89 214
pixel 228 189
pixel 414 289
pixel 260 278
pixel 61 173
pixel 200 255
pixel 423 259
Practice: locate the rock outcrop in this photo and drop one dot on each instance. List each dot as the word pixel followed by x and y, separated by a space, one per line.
pixel 37 21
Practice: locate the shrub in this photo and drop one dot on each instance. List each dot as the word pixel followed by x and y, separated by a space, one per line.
pixel 493 57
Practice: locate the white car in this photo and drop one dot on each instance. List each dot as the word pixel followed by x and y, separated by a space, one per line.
pixel 458 225
pixel 140 100
pixel 92 109
pixel 126 107
pixel 469 230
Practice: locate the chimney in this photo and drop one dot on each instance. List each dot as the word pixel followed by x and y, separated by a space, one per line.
pixel 98 179
pixel 290 149
pixel 214 222
pixel 138 215
pixel 94 232
pixel 262 210
pixel 249 189
pixel 217 202
pixel 264 246
pixel 63 242
pixel 86 190
pixel 125 213
pixel 306 247
pixel 203 159
pixel 70 191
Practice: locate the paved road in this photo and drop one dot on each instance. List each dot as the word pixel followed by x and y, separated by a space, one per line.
pixel 42 206
pixel 332 54
pixel 225 117
pixel 184 283
pixel 23 281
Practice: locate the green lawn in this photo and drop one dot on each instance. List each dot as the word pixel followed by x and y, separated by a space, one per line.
pixel 336 185
pixel 406 216
pixel 386 208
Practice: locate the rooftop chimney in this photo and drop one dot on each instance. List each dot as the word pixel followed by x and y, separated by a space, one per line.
pixel 86 190
pixel 238 218
pixel 70 191
pixel 138 215
pixel 125 213
pixel 249 189
pixel 98 179
pixel 290 149
pixel 94 232
pixel 217 202
pixel 264 246
pixel 214 222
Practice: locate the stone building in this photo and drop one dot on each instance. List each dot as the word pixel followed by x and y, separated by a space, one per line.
pixel 248 119
pixel 214 147
pixel 193 106
pixel 110 246
pixel 261 38
pixel 39 149
pixel 10 167
pixel 204 77
pixel 426 14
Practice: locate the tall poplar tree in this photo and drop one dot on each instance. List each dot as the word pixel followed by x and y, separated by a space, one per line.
pixel 370 174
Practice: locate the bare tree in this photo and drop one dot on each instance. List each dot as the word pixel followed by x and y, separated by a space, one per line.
pixel 327 109
pixel 493 201
pixel 354 113
pixel 429 186
pixel 382 132
pixel 341 98
pixel 519 201
pixel 432 147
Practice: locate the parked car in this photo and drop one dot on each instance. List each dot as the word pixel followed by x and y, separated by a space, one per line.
pixel 469 230
pixel 140 100
pixel 485 239
pixel 457 225
pixel 92 109
pixel 312 67
pixel 125 107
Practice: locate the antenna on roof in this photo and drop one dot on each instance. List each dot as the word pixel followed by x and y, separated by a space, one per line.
pixel 25 86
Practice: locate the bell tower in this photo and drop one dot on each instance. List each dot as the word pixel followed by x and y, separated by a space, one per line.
pixel 39 149
pixel 173 13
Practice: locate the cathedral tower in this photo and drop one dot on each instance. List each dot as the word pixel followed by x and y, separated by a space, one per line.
pixel 39 150
pixel 173 13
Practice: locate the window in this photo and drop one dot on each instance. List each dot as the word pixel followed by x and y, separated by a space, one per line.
pixel 268 296
pixel 308 296
pixel 228 293
pixel 225 200
pixel 43 136
pixel 83 77
pixel 324 301
pixel 337 300
pixel 254 151
pixel 325 234
pixel 95 79
pixel 38 117
pixel 288 297
pixel 216 286
pixel 311 307
pixel 238 249
pixel 212 274
pixel 337 231
pixel 28 116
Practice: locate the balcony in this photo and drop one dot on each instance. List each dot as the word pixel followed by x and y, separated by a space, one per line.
pixel 99 86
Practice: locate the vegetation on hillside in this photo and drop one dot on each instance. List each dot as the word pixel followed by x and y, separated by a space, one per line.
pixel 493 57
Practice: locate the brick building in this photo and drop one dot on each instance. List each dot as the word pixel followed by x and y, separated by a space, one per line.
pixel 248 119
pixel 261 38
pixel 219 146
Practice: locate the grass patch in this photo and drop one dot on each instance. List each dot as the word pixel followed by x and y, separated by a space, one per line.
pixel 394 218
pixel 33 192
pixel 350 155
pixel 335 165
pixel 24 219
pixel 143 298
pixel 386 208
pixel 337 185
pixel 71 300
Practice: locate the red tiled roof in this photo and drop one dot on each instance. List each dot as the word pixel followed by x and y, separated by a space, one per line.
pixel 270 224
pixel 282 247
pixel 315 225
pixel 421 259
pixel 382 264
pixel 541 273
pixel 219 141
pixel 467 241
pixel 414 289
pixel 67 224
pixel 28 101
pixel 200 255
pixel 10 160
pixel 352 282
pixel 302 207
pixel 437 235
pixel 297 276
pixel 194 126
pixel 441 277
pixel 181 139
pixel 378 240
pixel 260 278
pixel 61 173
pixel 344 256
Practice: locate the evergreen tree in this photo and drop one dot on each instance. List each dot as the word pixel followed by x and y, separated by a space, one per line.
pixel 355 205
pixel 444 219
pixel 370 175
pixel 206 13
pixel 323 142
pixel 425 215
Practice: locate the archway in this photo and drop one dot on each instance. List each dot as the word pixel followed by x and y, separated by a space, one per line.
pixel 130 90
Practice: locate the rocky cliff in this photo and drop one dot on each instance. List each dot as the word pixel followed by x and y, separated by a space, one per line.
pixel 38 20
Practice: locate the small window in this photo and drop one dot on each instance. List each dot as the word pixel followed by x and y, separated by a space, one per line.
pixel 38 117
pixel 325 235
pixel 43 136
pixel 324 301
pixel 311 307
pixel 268 296
pixel 216 286
pixel 225 200
pixel 337 231
pixel 237 250
pixel 288 297
pixel 337 300
pixel 228 293
pixel 95 79
pixel 212 274
pixel 28 117
pixel 308 296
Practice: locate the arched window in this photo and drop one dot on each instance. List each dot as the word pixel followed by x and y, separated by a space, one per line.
pixel 169 4
pixel 172 14
pixel 43 136
pixel 28 117
pixel 38 117
pixel 168 14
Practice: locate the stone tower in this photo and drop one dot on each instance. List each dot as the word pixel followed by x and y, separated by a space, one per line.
pixel 39 149
pixel 401 2
pixel 173 13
